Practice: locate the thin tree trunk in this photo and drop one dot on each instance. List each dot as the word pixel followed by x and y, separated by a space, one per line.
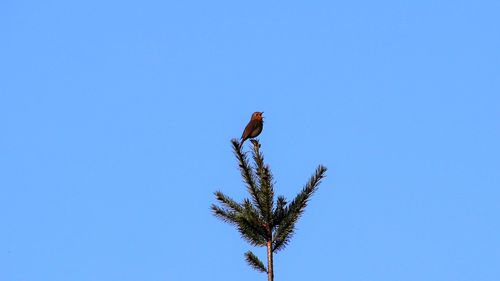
pixel 270 274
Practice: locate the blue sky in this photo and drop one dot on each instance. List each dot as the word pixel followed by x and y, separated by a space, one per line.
pixel 116 118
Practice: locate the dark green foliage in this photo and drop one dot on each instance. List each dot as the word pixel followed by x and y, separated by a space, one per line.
pixel 255 262
pixel 260 219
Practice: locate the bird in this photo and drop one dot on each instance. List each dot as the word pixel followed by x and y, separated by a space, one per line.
pixel 253 128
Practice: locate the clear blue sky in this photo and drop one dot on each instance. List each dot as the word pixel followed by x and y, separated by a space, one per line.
pixel 116 118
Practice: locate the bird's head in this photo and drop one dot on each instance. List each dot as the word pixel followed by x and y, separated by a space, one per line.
pixel 257 115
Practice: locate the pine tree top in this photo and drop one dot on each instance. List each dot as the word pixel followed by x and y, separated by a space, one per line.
pixel 260 219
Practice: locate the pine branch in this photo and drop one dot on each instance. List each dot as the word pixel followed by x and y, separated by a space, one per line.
pixel 292 213
pixel 251 232
pixel 283 235
pixel 225 215
pixel 249 227
pixel 254 220
pixel 255 262
pixel 265 177
pixel 299 203
pixel 246 173
pixel 279 211
pixel 228 202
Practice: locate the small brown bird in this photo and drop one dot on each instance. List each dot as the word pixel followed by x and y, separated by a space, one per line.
pixel 254 127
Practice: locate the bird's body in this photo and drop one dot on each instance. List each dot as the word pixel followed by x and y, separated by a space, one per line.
pixel 254 127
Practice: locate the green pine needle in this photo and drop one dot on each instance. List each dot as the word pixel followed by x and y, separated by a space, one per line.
pixel 260 219
pixel 255 262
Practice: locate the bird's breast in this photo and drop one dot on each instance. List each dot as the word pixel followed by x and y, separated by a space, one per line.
pixel 256 131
